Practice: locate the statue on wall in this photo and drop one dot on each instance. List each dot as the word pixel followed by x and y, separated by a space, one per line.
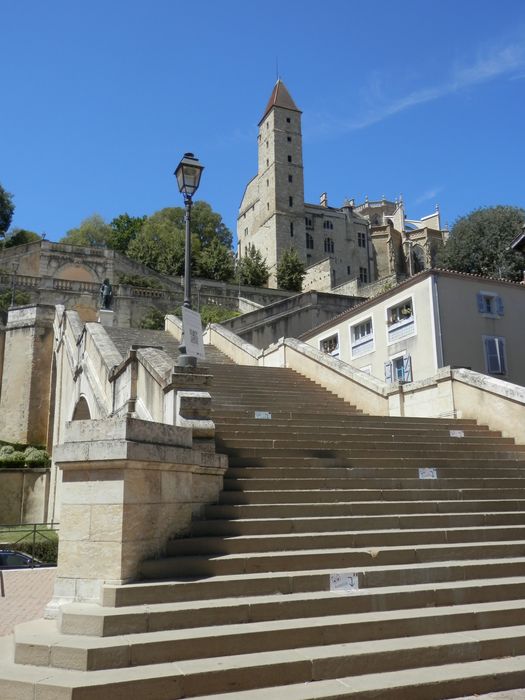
pixel 106 294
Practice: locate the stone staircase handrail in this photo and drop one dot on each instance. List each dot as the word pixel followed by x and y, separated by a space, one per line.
pixel 232 345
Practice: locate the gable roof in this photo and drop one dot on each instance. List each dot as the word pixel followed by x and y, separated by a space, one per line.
pixel 280 97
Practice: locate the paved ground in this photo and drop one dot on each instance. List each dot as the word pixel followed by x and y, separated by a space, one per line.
pixel 24 595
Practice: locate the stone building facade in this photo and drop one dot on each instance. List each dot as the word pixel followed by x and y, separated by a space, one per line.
pixel 362 242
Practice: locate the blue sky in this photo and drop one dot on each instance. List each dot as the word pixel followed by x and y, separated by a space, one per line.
pixel 101 99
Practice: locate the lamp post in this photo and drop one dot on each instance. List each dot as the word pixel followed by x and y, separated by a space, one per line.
pixel 188 174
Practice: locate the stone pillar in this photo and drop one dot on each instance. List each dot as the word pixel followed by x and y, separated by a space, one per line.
pixel 106 317
pixel 26 377
pixel 128 485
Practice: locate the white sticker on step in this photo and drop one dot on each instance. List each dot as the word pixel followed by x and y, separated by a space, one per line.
pixel 428 473
pixel 263 415
pixel 344 583
pixel 457 433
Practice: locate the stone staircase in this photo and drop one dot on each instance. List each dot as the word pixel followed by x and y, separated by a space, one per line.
pixel 331 567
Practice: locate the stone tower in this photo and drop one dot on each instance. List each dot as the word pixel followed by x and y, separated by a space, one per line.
pixel 271 215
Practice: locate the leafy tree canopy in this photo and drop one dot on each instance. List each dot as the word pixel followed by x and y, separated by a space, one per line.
pixel 93 231
pixel 160 245
pixel 480 243
pixel 205 224
pixel 20 236
pixel 7 209
pixel 290 271
pixel 252 268
pixel 216 262
pixel 124 229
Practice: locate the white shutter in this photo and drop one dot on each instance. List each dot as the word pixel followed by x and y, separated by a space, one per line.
pixel 388 372
pixel 407 368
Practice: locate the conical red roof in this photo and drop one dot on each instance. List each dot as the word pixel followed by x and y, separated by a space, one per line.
pixel 280 97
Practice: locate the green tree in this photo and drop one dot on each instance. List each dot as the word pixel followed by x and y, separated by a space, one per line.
pixel 160 245
pixel 7 209
pixel 206 225
pixel 480 243
pixel 290 271
pixel 124 229
pixel 20 236
pixel 93 231
pixel 252 268
pixel 216 262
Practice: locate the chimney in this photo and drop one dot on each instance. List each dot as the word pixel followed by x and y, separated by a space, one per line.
pixel 324 200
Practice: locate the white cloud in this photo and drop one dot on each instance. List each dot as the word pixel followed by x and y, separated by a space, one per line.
pixel 502 62
pixel 431 193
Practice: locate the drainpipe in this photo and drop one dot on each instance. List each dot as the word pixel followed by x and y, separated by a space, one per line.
pixel 437 322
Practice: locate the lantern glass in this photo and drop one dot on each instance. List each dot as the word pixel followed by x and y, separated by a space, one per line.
pixel 188 174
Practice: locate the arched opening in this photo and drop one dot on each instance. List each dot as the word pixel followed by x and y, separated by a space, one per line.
pixel 418 258
pixel 81 411
pixel 75 272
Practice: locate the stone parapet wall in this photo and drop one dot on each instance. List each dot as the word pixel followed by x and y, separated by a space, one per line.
pixel 24 494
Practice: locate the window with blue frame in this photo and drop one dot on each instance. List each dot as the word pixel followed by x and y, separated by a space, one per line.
pixel 398 369
pixel 490 304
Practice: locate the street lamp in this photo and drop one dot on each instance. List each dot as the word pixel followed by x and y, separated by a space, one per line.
pixel 188 174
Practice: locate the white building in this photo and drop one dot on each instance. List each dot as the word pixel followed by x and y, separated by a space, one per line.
pixel 435 319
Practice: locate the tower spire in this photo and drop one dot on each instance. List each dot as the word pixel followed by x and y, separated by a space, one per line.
pixel 280 97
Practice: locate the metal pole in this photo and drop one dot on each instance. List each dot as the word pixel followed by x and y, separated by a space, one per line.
pixel 187 255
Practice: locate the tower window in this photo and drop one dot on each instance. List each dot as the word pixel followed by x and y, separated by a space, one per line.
pixel 328 245
pixel 267 144
pixel 267 161
pixel 348 269
pixel 289 159
pixel 289 139
pixel 267 183
pixel 288 119
pixel 267 125
pixel 268 206
pixel 308 222
pixel 290 178
pixel 363 274
pixel 290 201
pixel 309 241
pixel 328 224
pixel 361 239
pixel 291 229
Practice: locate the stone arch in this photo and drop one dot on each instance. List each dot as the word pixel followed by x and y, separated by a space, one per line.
pixel 418 258
pixel 76 272
pixel 81 410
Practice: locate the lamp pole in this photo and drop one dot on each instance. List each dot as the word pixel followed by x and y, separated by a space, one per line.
pixel 188 174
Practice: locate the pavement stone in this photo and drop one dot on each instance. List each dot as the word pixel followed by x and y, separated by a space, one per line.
pixel 24 593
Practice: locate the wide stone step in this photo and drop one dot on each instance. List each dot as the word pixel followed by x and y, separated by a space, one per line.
pixel 298 541
pixel 95 620
pixel 277 474
pixel 182 589
pixel 34 646
pixel 348 460
pixel 285 525
pixel 280 451
pixel 172 681
pixel 352 495
pixel 451 680
pixel 317 510
pixel 366 434
pixel 381 482
pixel 333 559
pixel 307 416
